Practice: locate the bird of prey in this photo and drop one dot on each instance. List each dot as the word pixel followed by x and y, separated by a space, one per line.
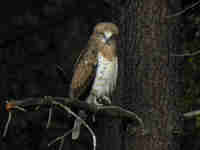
pixel 96 69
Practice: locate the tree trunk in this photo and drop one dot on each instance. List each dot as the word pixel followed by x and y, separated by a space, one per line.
pixel 149 76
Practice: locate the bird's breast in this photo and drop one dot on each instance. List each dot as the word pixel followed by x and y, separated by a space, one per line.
pixel 106 76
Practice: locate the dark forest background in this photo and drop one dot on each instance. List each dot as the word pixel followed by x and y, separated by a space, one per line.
pixel 37 35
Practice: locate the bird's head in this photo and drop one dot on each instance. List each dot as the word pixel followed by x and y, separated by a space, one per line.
pixel 106 32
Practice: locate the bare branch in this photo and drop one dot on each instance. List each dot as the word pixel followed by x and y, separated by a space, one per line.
pixel 7 124
pixel 184 10
pixel 20 108
pixel 82 121
pixel 60 138
pixel 122 113
pixel 61 144
pixel 49 117
pixel 187 54
pixel 116 111
pixel 67 104
pixel 191 114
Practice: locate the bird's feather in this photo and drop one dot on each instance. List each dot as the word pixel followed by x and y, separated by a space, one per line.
pixel 85 71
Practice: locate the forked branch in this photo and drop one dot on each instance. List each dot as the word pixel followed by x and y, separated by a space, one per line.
pixel 67 104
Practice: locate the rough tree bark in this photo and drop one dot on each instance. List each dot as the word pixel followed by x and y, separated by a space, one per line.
pixel 150 78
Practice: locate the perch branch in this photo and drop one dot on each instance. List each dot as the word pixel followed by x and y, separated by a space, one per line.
pixel 66 104
pixel 49 101
pixel 111 111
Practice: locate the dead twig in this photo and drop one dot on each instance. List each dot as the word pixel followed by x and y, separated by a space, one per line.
pixel 191 114
pixel 82 121
pixel 7 124
pixel 8 107
pixel 50 113
pixel 186 54
pixel 184 10
pixel 121 111
pixel 60 138
pixel 49 117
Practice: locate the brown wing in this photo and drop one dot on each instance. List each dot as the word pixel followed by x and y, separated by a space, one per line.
pixel 85 71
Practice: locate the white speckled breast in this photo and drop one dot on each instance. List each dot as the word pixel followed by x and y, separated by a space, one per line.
pixel 106 76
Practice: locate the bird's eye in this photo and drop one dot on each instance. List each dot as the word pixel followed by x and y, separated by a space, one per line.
pixel 100 35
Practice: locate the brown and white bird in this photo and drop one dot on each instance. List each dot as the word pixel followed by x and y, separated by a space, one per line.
pixel 96 68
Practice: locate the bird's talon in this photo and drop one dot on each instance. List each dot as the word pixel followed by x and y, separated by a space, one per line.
pixel 104 100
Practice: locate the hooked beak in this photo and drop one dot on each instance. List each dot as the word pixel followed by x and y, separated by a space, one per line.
pixel 107 36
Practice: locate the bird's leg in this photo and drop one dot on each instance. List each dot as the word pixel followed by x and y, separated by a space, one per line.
pixel 93 99
pixel 95 102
